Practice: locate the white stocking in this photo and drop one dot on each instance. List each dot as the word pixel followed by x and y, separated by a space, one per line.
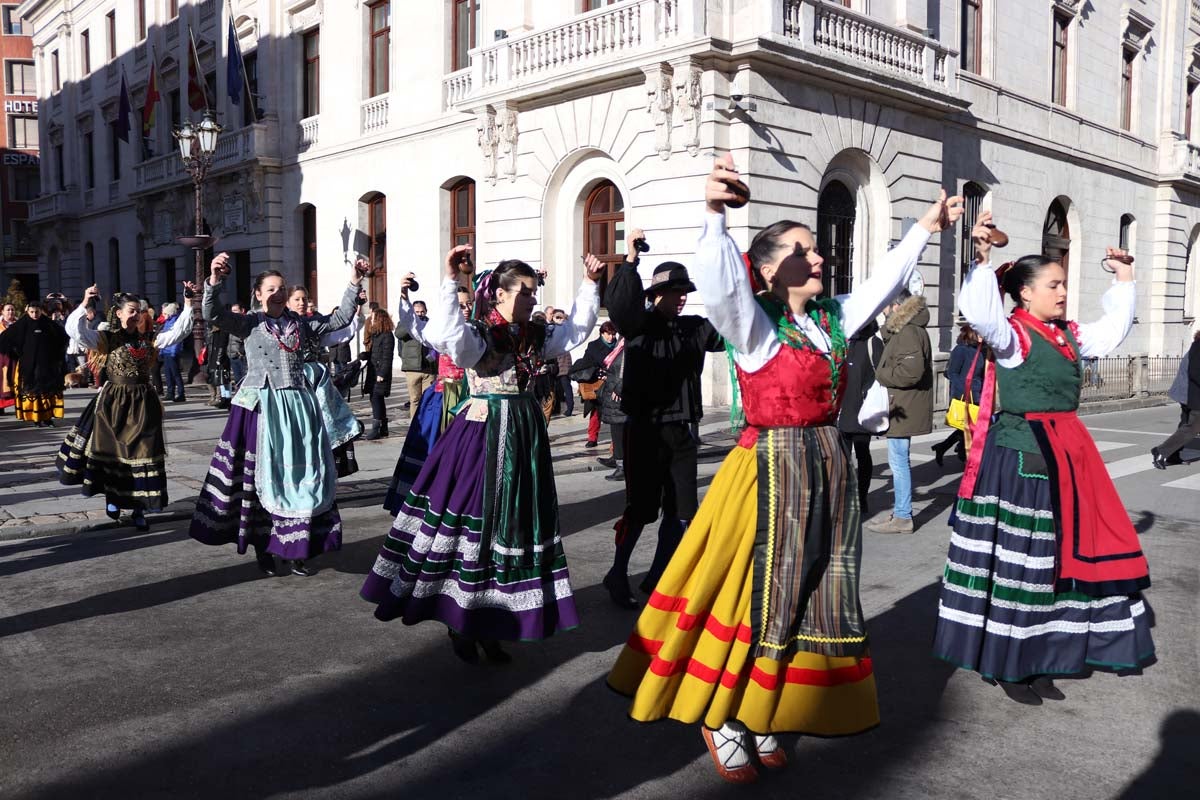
pixel 732 747
pixel 765 745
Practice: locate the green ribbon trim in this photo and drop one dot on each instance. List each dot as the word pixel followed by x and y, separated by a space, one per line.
pixel 1013 518
pixel 980 583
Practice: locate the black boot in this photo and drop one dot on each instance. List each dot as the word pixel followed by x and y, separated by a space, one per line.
pixel 464 647
pixel 298 568
pixel 266 562
pixel 373 433
pixel 617 584
pixel 494 653
pixel 383 431
pixel 1160 461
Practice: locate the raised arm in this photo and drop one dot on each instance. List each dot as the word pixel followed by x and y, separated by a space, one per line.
pixel 76 324
pixel 870 296
pixel 181 329
pixel 1101 337
pixel 342 315
pixel 893 274
pixel 447 332
pixel 407 322
pixel 625 297
pixel 725 289
pixel 578 327
pixel 344 333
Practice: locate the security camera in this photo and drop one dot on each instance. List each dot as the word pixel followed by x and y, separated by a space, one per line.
pixel 736 98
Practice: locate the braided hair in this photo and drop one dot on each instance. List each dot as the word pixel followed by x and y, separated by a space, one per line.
pixel 1022 272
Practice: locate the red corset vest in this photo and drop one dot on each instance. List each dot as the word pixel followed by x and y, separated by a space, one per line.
pixel 447 369
pixel 791 391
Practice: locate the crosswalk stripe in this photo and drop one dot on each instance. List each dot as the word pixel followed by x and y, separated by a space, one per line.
pixel 1191 482
pixel 1129 466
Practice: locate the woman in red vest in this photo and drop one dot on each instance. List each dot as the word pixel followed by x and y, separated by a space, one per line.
pixel 1045 571
pixel 755 628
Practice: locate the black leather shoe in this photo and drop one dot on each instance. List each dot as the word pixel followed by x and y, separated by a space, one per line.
pixel 113 513
pixel 494 653
pixel 266 564
pixel 619 591
pixel 591 444
pixel 464 647
pixel 617 474
pixel 610 462
pixel 1044 688
pixel 1021 693
pixel 1160 461
pixel 298 568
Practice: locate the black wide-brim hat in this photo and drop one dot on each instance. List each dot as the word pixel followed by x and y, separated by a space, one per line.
pixel 670 275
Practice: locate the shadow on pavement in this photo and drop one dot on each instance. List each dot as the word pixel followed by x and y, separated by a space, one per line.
pixel 70 550
pixel 387 716
pixel 1175 772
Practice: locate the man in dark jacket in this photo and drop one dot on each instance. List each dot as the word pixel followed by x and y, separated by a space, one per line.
pixel 906 369
pixel 1185 390
pixel 418 362
pixel 664 357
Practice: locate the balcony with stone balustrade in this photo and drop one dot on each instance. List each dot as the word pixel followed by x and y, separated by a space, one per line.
pixel 626 36
pixel 235 149
pixel 54 205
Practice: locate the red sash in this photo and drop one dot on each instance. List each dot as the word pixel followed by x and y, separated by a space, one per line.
pixel 1099 551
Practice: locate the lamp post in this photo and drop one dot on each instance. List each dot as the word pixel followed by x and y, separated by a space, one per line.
pixel 197 145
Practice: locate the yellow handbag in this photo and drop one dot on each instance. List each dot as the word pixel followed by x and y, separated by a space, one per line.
pixel 962 412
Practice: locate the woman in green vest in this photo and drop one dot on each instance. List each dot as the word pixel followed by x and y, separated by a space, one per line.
pixel 1045 572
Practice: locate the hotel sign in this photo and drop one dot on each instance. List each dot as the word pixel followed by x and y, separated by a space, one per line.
pixel 20 107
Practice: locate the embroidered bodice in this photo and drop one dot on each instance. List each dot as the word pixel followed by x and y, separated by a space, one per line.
pixel 793 389
pixel 128 358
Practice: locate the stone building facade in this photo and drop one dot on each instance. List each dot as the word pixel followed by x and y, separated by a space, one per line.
pixel 18 154
pixel 541 130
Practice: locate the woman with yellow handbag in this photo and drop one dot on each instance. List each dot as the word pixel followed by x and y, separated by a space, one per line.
pixel 968 359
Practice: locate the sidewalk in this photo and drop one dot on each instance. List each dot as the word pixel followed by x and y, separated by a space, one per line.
pixel 33 503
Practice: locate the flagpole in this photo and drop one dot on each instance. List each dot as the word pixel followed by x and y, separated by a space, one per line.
pixel 241 65
pixel 194 57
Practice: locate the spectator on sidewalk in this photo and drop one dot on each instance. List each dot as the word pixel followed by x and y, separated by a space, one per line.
pixel 610 410
pixel 8 395
pixel 863 352
pixel 417 362
pixel 380 349
pixel 169 354
pixel 588 370
pixel 1185 390
pixel 565 397
pixel 237 351
pixel 906 369
pixel 664 357
pixel 967 352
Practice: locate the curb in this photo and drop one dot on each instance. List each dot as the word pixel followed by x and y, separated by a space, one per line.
pixel 709 453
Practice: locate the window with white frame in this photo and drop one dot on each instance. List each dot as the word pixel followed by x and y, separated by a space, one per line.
pixel 20 78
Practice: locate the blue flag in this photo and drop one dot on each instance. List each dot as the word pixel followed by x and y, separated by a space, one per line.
pixel 233 66
pixel 123 111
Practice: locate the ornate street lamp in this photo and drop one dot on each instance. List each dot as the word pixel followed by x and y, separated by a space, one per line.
pixel 197 145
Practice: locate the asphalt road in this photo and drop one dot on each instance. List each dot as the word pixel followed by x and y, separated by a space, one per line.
pixel 148 665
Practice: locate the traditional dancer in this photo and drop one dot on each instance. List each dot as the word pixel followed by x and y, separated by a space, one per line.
pixel 318 370
pixel 756 627
pixel 664 358
pixel 1045 570
pixel 38 345
pixel 8 395
pixel 117 447
pixel 272 479
pixel 438 403
pixel 476 544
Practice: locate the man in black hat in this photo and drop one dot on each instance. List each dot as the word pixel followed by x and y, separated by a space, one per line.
pixel 664 357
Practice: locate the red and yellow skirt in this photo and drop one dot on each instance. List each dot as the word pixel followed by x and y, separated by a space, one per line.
pixel 36 407
pixel 688 656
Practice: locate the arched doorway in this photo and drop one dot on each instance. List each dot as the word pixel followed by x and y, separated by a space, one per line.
pixel 604 229
pixel 462 213
pixel 1056 236
pixel 973 195
pixel 836 215
pixel 373 223
pixel 89 265
pixel 114 266
pixel 308 248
